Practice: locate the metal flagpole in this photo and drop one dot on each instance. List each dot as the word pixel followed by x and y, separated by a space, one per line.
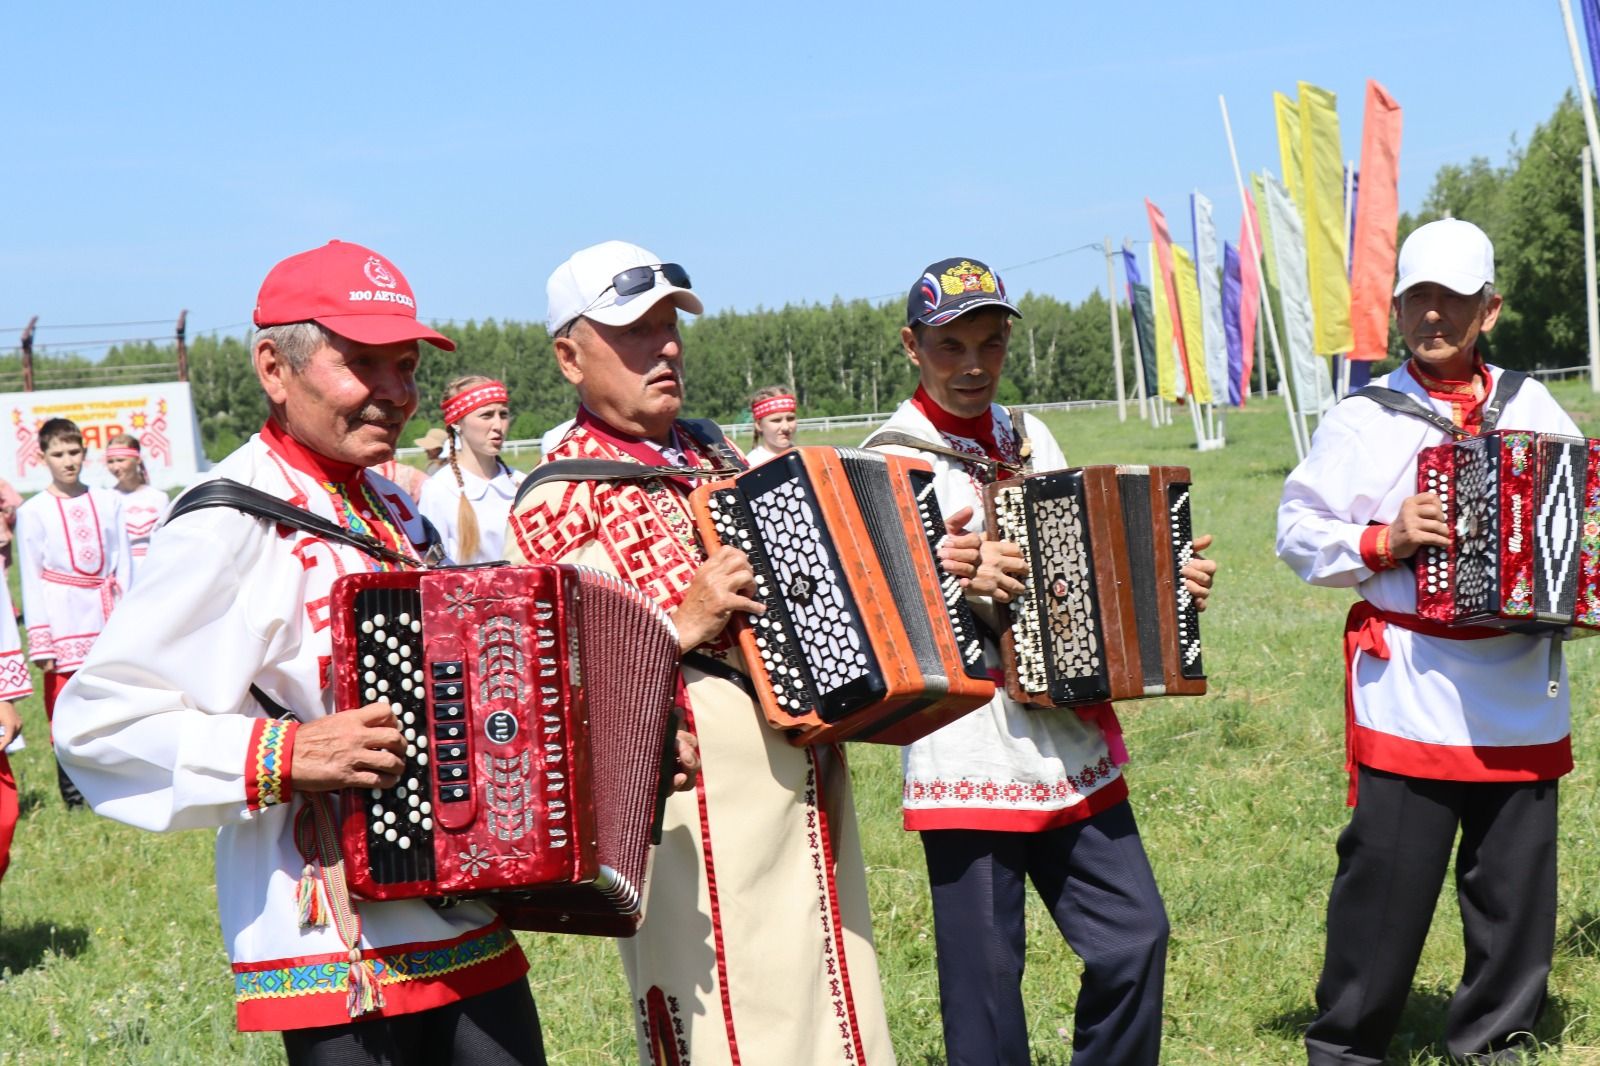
pixel 1296 427
pixel 1584 99
pixel 1589 269
pixel 1349 207
pixel 1116 335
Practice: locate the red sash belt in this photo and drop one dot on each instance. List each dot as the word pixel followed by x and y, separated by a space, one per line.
pixel 110 591
pixel 1364 630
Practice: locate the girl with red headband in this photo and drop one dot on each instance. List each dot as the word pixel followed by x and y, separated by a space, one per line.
pixel 469 500
pixel 143 505
pixel 774 412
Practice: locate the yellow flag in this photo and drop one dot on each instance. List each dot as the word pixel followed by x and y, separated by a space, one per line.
pixel 1189 311
pixel 1166 357
pixel 1321 203
pixel 1288 115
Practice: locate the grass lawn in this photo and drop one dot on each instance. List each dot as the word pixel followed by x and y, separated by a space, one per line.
pixel 109 949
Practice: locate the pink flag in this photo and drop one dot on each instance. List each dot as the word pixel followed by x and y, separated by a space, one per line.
pixel 1372 257
pixel 1249 293
pixel 1163 242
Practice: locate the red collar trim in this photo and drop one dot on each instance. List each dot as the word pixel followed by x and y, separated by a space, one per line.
pixel 635 447
pixel 304 459
pixel 979 428
pixel 1456 391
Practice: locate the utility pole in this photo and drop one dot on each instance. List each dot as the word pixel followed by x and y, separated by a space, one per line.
pixel 183 349
pixel 1116 335
pixel 27 354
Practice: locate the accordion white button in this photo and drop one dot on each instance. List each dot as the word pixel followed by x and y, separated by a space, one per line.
pixel 369 677
pixel 394 660
pixel 379 619
pixel 405 651
pixel 405 619
pixel 377 808
pixel 394 642
pixel 422 758
pixel 426 807
pixel 366 627
pixel 416 625
pixel 379 635
pixel 368 661
pixel 371 694
pixel 377 793
pixel 414 818
pixel 388 817
pixel 390 835
pixel 404 842
pixel 427 825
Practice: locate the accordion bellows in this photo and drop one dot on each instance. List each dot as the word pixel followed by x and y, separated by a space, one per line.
pixel 1104 614
pixel 1523 512
pixel 537 707
pixel 864 636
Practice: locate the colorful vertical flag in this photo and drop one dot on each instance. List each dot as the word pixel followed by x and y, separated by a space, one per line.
pixel 1308 373
pixel 1208 274
pixel 1144 326
pixel 1286 112
pixel 1163 242
pixel 1322 209
pixel 1591 29
pixel 1168 378
pixel 1372 253
pixel 1189 318
pixel 1232 302
pixel 1249 295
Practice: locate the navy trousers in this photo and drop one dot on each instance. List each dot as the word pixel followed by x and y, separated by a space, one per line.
pixel 1096 881
pixel 498 1028
pixel 1392 861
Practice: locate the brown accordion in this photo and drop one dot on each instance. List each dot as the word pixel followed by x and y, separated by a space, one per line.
pixel 537 708
pixel 1104 614
pixel 1520 508
pixel 864 637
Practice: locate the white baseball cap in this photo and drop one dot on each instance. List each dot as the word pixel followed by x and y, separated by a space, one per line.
pixel 1450 252
pixel 586 284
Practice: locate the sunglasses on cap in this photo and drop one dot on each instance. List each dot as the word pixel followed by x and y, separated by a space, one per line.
pixel 634 280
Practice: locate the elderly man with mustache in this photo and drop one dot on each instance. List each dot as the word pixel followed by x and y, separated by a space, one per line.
pixel 207 701
pixel 757 944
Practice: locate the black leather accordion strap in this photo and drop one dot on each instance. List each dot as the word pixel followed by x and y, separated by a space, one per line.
pixel 708 434
pixel 699 660
pixel 225 493
pixel 995 467
pixel 611 470
pixel 1508 385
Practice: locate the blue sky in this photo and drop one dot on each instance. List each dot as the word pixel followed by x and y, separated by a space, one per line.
pixel 164 155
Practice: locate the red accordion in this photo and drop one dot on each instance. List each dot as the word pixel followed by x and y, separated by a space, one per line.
pixel 537 707
pixel 1104 613
pixel 864 637
pixel 1523 511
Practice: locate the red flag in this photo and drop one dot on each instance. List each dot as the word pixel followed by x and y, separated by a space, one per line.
pixel 1163 242
pixel 1249 293
pixel 1372 258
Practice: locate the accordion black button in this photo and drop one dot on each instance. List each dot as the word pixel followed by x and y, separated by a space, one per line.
pixel 450 752
pixel 455 772
pixel 447 712
pixel 450 731
pixel 452 793
pixel 450 668
pixel 447 690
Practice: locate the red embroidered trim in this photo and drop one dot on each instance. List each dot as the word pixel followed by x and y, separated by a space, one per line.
pixel 1375 553
pixel 463 404
pixel 1017 821
pixel 849 1027
pixel 711 895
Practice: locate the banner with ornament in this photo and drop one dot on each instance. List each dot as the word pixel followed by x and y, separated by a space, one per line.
pixel 160 415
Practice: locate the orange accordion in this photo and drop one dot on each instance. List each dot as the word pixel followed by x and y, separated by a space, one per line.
pixel 537 708
pixel 1104 613
pixel 864 636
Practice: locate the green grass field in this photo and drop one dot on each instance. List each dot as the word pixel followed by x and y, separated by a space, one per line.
pixel 109 949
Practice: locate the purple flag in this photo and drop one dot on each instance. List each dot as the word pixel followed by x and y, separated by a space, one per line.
pixel 1591 30
pixel 1232 301
pixel 1144 322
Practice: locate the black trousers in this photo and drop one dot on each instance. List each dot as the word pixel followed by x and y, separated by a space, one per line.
pixel 498 1028
pixel 1096 881
pixel 1392 861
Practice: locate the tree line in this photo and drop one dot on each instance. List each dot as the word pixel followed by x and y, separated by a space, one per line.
pixel 845 357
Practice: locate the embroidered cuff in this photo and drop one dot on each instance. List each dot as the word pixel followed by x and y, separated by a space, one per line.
pixel 40 644
pixel 267 759
pixel 1375 553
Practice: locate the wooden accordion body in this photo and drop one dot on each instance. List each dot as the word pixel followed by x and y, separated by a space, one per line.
pixel 537 707
pixel 1518 506
pixel 1104 614
pixel 864 637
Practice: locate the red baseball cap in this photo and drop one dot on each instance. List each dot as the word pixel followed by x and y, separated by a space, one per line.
pixel 349 290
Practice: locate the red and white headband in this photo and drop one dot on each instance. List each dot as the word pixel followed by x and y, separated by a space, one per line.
pixel 122 451
pixel 463 404
pixel 772 405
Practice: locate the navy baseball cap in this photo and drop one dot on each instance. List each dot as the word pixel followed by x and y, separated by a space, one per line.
pixel 950 288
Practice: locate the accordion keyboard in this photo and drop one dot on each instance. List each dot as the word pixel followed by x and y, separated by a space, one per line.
pixel 1011 516
pixel 389 649
pixel 962 620
pixel 1182 527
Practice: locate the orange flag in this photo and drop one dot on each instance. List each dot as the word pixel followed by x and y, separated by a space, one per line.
pixel 1377 216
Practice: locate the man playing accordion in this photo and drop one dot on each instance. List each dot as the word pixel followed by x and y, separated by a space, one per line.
pixel 756 944
pixel 207 701
pixel 1009 794
pixel 1446 729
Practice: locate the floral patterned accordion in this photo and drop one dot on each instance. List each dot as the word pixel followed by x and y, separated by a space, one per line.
pixel 537 708
pixel 864 636
pixel 1523 510
pixel 1104 614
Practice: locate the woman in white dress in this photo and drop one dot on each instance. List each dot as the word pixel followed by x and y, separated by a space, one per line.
pixel 469 499
pixel 775 415
pixel 143 505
